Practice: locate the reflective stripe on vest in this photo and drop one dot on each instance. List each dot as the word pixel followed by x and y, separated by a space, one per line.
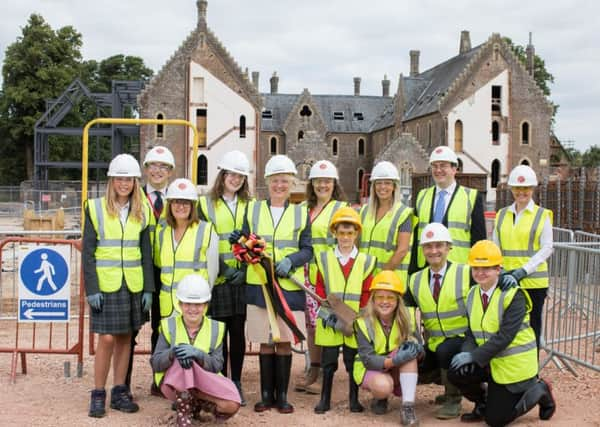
pixel 349 290
pixel 118 253
pixel 208 338
pixel 458 214
pixel 519 360
pixel 447 318
pixel 176 263
pixel 281 240
pixel 520 241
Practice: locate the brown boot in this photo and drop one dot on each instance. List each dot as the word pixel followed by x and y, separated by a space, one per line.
pixel 183 403
pixel 306 379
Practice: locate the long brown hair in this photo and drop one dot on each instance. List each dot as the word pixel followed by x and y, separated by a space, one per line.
pixel 217 190
pixel 373 203
pixel 193 216
pixel 311 196
pixel 135 200
pixel 401 316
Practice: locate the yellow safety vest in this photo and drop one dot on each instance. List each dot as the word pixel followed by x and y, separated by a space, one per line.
pixel 286 236
pixel 224 222
pixel 322 239
pixel 521 241
pixel 380 238
pixel 176 263
pixel 118 251
pixel 518 361
pixel 382 343
pixel 349 290
pixel 459 221
pixel 209 337
pixel 447 318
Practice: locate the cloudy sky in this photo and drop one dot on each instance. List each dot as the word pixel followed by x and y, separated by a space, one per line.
pixel 322 44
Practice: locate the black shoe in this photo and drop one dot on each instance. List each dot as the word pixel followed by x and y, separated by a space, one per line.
pixel 547 403
pixel 120 399
pixel 266 363
pixel 238 385
pixel 283 366
pixel 353 401
pixel 324 404
pixel 476 415
pixel 97 404
pixel 379 406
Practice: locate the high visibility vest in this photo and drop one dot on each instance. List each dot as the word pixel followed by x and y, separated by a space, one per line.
pixel 118 251
pixel 447 318
pixel 209 337
pixel 322 239
pixel 286 236
pixel 349 290
pixel 380 238
pixel 518 361
pixel 382 343
pixel 224 221
pixel 176 263
pixel 459 221
pixel 520 241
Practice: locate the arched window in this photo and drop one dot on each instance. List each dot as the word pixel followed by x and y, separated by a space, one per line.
pixel 242 126
pixel 361 147
pixel 495 173
pixel 525 133
pixel 525 162
pixel 160 127
pixel 495 133
pixel 273 145
pixel 460 165
pixel 334 147
pixel 458 136
pixel 202 177
pixel 359 177
pixel 300 135
pixel 305 111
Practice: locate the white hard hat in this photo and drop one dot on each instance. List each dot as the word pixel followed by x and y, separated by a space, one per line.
pixel 323 169
pixel 280 163
pixel 182 188
pixel 435 232
pixel 522 176
pixel 443 154
pixel 124 165
pixel 235 161
pixel 193 288
pixel 160 154
pixel 384 170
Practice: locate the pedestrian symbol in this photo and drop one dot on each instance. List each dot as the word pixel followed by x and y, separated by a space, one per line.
pixel 44 271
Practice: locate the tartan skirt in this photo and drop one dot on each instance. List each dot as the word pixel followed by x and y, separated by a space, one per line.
pixel 121 313
pixel 227 300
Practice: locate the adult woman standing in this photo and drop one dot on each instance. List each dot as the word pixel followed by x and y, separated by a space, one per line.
pixel 387 222
pixel 285 227
pixel 184 245
pixel 117 266
pixel 523 231
pixel 225 207
pixel 324 196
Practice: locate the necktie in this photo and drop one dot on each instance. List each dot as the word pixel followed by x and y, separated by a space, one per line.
pixel 158 204
pixel 484 301
pixel 440 207
pixel 437 286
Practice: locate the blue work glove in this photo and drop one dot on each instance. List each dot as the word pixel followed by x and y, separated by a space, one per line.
pixel 235 276
pixel 507 281
pixel 461 359
pixel 188 351
pixel 331 321
pixel 186 363
pixel 146 301
pixel 406 352
pixel 96 301
pixel 465 370
pixel 283 267
pixel 235 236
pixel 518 273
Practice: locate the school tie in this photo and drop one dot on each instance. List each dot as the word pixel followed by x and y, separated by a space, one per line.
pixel 437 286
pixel 158 204
pixel 440 205
pixel 484 301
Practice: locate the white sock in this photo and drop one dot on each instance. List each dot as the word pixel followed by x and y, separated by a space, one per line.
pixel 408 383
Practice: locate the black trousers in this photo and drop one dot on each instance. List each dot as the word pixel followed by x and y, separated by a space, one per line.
pixel 535 317
pixel 236 349
pixel 330 355
pixel 441 358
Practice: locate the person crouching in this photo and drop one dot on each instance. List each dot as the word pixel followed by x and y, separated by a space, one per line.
pixel 188 357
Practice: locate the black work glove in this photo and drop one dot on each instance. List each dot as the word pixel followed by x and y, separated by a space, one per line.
pixel 235 236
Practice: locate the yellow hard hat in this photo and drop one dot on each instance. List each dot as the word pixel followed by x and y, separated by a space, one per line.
pixel 387 280
pixel 485 253
pixel 345 214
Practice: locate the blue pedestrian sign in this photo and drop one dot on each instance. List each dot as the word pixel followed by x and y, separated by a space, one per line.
pixel 44 284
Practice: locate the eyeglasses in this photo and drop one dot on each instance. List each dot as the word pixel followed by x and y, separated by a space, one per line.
pixel 158 167
pixel 384 298
pixel 184 202
pixel 441 166
pixel 350 233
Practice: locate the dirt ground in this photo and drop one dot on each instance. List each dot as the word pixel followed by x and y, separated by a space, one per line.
pixel 44 397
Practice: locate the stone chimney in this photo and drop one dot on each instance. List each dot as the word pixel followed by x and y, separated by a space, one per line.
pixel 414 62
pixel 201 5
pixel 465 42
pixel 255 75
pixel 274 83
pixel 357 86
pixel 385 87
pixel 530 57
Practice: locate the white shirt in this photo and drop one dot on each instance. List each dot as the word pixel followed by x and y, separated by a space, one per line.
pixel 449 192
pixel 442 273
pixel 151 192
pixel 123 214
pixel 489 292
pixel 231 204
pixel 343 259
pixel 546 239
pixel 276 214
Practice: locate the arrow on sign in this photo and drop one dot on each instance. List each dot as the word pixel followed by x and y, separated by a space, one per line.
pixel 30 314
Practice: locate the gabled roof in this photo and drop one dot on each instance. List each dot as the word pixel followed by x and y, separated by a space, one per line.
pixel 369 107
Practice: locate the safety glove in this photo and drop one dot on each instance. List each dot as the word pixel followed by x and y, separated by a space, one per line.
pixel 96 301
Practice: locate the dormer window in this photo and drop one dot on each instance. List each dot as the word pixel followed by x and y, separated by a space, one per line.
pixel 338 115
pixel 267 114
pixel 358 116
pixel 305 111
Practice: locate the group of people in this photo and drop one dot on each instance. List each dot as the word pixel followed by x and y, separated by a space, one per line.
pixel 431 299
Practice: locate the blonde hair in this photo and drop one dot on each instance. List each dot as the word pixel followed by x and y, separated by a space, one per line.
pixel 135 200
pixel 373 203
pixel 401 316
